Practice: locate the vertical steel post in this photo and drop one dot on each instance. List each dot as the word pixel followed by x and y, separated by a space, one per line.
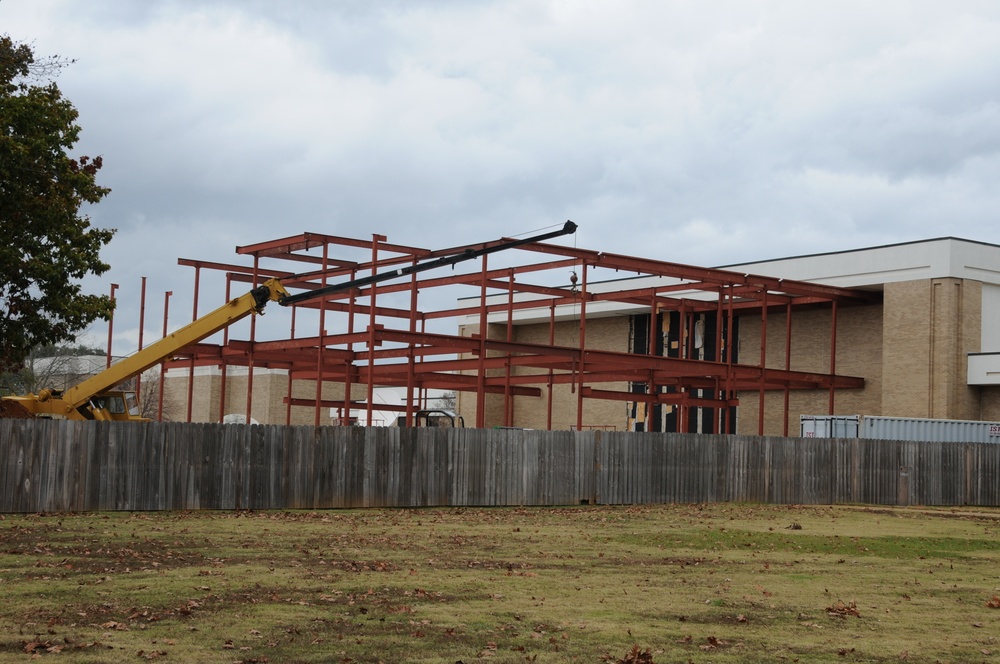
pixel 291 375
pixel 194 317
pixel 411 369
pixel 551 382
pixel 345 412
pixel 719 389
pixel 224 378
pixel 253 340
pixel 372 292
pixel 651 388
pixel 111 325
pixel 142 325
pixel 763 364
pixel 508 398
pixel 788 360
pixel 833 353
pixel 483 331
pixel 322 339
pixel 583 345
pixel 730 349
pixel 163 370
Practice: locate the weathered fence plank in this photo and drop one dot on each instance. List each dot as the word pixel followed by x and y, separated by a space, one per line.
pixel 48 466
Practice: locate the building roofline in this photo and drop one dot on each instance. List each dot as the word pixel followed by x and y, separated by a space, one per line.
pixel 892 245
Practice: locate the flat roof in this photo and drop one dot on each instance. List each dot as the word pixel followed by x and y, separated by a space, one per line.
pixel 871 267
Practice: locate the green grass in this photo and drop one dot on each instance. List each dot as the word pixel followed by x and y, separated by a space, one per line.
pixel 703 583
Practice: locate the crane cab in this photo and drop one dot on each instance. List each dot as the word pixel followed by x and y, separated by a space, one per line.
pixel 115 405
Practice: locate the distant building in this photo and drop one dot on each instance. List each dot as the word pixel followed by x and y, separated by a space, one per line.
pixel 65 371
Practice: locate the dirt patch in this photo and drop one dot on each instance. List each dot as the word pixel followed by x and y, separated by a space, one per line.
pixel 13 410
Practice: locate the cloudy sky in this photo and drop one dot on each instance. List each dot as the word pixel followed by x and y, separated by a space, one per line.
pixel 708 133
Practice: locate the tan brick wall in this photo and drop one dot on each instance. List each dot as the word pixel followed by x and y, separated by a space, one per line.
pixel 989 404
pixel 269 392
pixel 930 327
pixel 467 402
pixel 912 352
pixel 859 353
pixel 602 334
pixel 532 412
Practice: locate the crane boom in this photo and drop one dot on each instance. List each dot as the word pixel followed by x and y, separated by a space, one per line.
pixel 204 327
pixel 468 254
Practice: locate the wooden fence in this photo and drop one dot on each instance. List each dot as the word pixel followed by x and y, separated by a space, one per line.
pixel 62 466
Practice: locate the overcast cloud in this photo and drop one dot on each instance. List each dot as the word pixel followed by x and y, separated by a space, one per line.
pixel 708 133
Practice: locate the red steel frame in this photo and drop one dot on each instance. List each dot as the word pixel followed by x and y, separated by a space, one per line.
pixel 394 348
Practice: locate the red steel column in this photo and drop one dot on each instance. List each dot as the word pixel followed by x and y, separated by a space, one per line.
pixel 345 412
pixel 253 339
pixel 288 392
pixel 194 317
pixel 224 377
pixel 551 383
pixel 411 374
pixel 483 327
pixel 322 343
pixel 719 389
pixel 729 359
pixel 508 399
pixel 372 291
pixel 142 325
pixel 833 353
pixel 651 389
pixel 788 359
pixel 763 364
pixel 163 371
pixel 684 352
pixel 583 345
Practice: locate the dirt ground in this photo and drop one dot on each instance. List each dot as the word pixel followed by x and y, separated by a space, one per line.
pixel 10 409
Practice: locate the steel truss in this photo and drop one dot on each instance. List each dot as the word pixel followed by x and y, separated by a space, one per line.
pixel 381 336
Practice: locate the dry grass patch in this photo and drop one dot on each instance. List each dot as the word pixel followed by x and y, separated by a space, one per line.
pixel 720 583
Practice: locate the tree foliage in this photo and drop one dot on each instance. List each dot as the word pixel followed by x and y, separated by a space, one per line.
pixel 48 245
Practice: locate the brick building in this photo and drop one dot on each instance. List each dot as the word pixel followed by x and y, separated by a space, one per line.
pixel 930 348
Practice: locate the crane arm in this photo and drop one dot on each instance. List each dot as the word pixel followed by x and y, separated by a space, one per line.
pixel 568 228
pixel 207 325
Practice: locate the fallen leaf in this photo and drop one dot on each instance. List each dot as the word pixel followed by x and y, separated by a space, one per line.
pixel 842 610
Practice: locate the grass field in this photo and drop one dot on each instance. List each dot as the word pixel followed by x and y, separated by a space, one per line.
pixel 670 583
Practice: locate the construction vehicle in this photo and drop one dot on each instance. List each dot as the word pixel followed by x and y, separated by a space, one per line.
pixel 97 399
pixel 441 419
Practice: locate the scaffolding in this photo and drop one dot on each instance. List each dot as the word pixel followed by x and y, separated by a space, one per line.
pixel 455 331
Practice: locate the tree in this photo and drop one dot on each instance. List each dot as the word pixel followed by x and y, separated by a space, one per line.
pixel 48 245
pixel 447 401
pixel 149 397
